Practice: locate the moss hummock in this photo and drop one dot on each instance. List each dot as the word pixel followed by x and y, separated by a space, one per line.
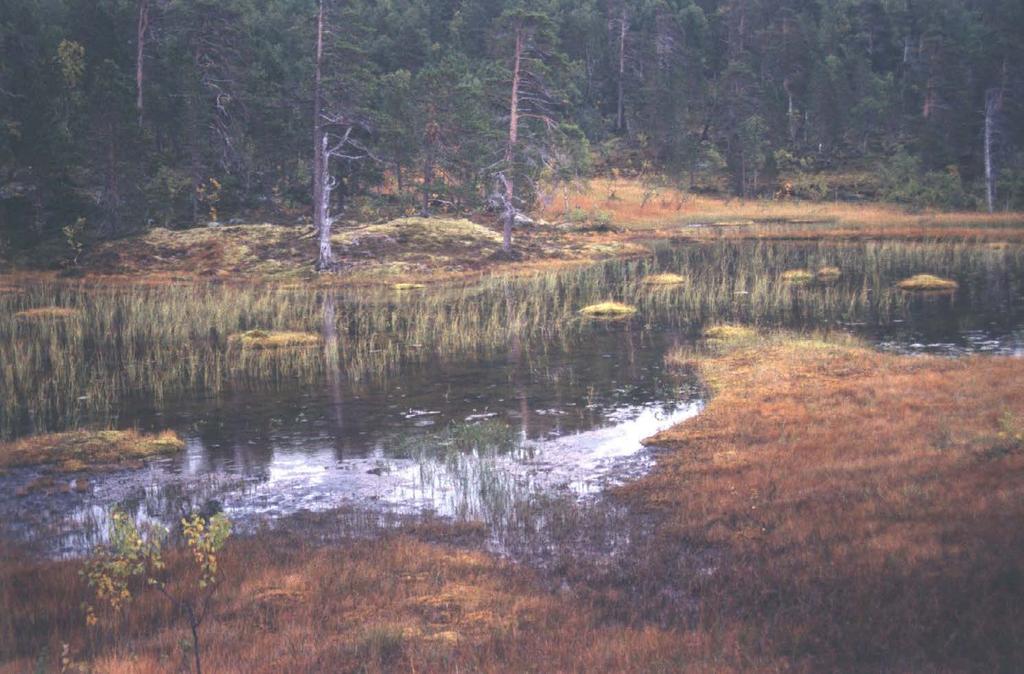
pixel 927 282
pixel 828 273
pixel 270 339
pixel 78 450
pixel 729 333
pixel 47 314
pixel 797 276
pixel 608 310
pixel 664 280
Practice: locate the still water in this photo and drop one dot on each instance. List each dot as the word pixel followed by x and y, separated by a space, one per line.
pixel 484 435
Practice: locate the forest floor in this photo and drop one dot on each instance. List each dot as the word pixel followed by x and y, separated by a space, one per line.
pixel 833 508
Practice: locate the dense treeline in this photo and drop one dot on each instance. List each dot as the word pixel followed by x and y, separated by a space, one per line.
pixel 121 114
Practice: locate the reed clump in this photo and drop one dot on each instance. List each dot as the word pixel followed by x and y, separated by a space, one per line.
pixel 827 273
pixel 666 279
pixel 273 339
pixel 47 314
pixel 608 309
pixel 729 333
pixel 927 282
pixel 78 450
pixel 797 276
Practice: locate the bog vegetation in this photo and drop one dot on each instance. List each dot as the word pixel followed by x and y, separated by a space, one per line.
pixel 160 341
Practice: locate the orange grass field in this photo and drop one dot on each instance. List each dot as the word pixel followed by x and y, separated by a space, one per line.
pixel 846 510
pixel 632 205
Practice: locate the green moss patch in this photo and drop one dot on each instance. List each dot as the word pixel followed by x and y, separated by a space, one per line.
pixel 80 450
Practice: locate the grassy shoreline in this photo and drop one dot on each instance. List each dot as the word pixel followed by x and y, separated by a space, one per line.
pixel 859 510
pixel 864 504
pixel 629 216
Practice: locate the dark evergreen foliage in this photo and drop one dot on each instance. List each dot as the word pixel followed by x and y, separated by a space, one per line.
pixel 726 95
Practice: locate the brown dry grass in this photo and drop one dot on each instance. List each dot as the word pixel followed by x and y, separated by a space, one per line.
pixel 76 450
pixel 389 605
pixel 836 509
pixel 663 211
pixel 866 507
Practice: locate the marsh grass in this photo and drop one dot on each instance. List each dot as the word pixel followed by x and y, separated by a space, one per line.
pixel 47 314
pixel 838 483
pixel 158 342
pixel 629 203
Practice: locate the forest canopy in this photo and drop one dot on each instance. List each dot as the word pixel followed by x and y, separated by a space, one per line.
pixel 122 115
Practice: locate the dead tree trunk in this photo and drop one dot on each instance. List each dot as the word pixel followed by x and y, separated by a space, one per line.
pixel 321 172
pixel 510 148
pixel 140 53
pixel 993 102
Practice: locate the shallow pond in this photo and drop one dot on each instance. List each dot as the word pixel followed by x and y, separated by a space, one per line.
pixel 473 403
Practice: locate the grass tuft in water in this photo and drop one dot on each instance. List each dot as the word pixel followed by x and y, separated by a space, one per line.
pixel 927 282
pixel 78 450
pixel 269 339
pixel 797 276
pixel 828 273
pixel 47 314
pixel 729 333
pixel 664 280
pixel 608 310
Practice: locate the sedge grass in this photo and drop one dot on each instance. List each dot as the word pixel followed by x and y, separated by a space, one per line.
pixel 159 342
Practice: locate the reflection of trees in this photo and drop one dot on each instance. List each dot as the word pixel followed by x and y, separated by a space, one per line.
pixel 332 367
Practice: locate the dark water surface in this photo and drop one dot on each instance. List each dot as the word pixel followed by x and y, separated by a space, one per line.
pixel 488 436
